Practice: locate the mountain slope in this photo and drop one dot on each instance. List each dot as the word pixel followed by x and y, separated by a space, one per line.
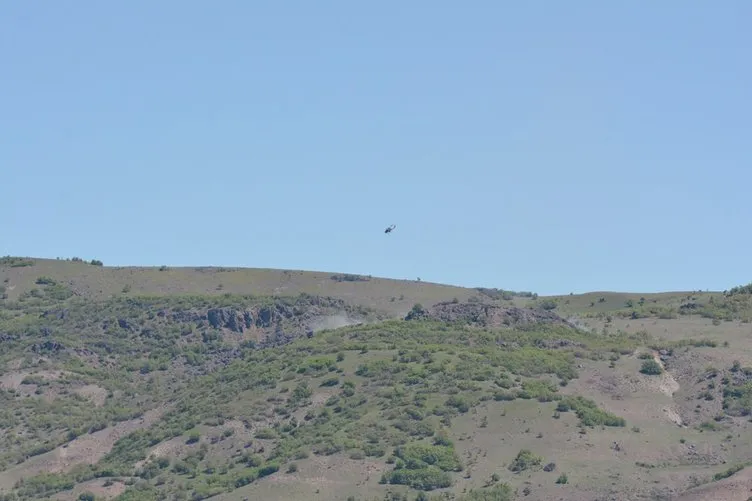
pixel 136 383
pixel 98 282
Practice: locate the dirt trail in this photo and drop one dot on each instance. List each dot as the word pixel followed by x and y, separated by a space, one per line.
pixel 668 385
pixel 13 380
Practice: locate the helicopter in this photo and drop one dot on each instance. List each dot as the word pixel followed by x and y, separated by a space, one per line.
pixel 390 228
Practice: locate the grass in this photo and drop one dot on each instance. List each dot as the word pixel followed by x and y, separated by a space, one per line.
pixel 234 387
pixel 391 405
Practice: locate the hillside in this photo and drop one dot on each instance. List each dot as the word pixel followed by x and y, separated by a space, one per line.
pixel 189 383
pixel 98 282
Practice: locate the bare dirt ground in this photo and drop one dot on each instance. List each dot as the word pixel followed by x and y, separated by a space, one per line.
pixel 95 393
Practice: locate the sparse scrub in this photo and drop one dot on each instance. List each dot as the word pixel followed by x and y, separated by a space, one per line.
pixel 737 399
pixel 15 262
pixel 388 392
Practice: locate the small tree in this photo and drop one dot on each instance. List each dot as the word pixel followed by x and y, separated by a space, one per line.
pixel 417 312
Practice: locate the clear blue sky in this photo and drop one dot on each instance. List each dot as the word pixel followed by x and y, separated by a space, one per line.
pixel 545 146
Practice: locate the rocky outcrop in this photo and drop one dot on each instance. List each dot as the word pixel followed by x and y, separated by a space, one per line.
pixel 47 346
pixel 275 323
pixel 269 315
pixel 7 338
pixel 487 315
pixel 278 338
pixel 268 323
pixel 229 318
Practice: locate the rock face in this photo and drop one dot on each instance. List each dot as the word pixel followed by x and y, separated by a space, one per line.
pixel 274 323
pixel 228 318
pixel 267 316
pixel 487 315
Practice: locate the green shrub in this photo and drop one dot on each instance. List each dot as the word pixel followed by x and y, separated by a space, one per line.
pixel 588 412
pixel 525 460
pixel 425 479
pixel 421 454
pixel 499 492
pixel 651 367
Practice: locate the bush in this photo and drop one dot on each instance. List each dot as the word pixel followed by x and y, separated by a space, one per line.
pixel 588 412
pixel 420 454
pixel 525 460
pixel 499 492
pixel 548 304
pixel 727 473
pixel 425 479
pixel 651 368
pixel 193 437
pixel 332 381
